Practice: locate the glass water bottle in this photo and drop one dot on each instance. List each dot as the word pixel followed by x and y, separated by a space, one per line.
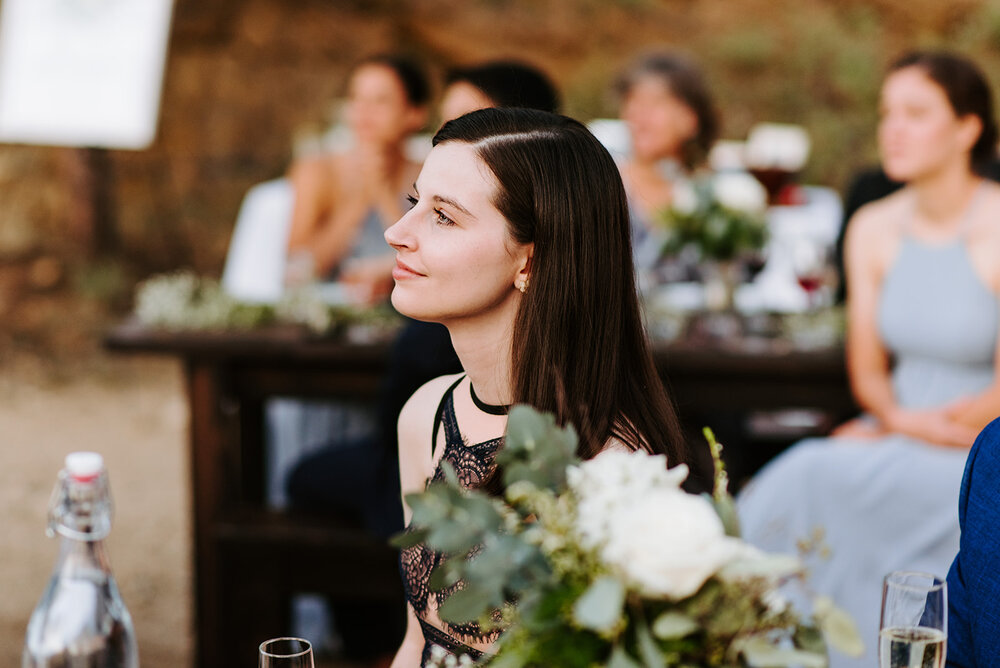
pixel 81 621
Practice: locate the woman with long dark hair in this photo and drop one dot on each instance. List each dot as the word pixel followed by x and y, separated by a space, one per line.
pixel 518 242
pixel 345 200
pixel 672 123
pixel 923 303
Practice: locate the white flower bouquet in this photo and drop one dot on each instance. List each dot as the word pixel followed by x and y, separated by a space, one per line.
pixel 609 562
pixel 721 216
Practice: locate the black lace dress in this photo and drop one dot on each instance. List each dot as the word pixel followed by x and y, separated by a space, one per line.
pixel 472 463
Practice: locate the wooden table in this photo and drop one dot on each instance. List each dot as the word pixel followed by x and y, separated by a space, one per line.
pixel 230 375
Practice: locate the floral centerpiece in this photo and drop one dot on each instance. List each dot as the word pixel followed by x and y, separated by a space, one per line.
pixel 609 562
pixel 185 301
pixel 721 216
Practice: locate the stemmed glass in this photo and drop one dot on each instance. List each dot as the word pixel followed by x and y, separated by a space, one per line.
pixel 812 266
pixel 286 653
pixel 913 632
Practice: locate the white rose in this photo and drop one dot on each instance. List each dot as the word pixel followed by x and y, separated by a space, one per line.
pixel 617 469
pixel 739 191
pixel 668 543
pixel 684 199
pixel 611 479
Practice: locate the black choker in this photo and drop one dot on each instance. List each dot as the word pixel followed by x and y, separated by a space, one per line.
pixel 492 409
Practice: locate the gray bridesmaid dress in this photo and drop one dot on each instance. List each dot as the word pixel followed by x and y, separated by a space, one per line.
pixel 891 503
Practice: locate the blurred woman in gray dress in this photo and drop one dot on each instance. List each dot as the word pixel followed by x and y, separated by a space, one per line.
pixel 923 272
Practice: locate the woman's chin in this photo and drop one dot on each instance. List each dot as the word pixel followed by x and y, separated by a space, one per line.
pixel 406 306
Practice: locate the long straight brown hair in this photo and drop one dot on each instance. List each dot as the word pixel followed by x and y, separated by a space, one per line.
pixel 579 346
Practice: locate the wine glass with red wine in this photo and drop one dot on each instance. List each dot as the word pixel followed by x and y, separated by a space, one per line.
pixel 812 264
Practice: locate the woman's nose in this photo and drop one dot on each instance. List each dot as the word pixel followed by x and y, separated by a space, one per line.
pixel 398 235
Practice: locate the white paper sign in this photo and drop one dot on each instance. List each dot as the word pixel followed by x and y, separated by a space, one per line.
pixel 82 72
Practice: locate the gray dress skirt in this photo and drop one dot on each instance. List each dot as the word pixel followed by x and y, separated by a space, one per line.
pixel 891 503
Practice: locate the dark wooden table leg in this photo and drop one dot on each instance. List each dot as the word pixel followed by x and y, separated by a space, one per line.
pixel 208 480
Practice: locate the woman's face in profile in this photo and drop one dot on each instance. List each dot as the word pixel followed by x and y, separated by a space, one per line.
pixel 378 110
pixel 918 131
pixel 455 257
pixel 659 122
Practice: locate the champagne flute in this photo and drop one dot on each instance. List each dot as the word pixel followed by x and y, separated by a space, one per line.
pixel 913 632
pixel 286 653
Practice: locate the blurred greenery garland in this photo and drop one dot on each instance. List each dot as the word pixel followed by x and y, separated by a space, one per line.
pixel 185 301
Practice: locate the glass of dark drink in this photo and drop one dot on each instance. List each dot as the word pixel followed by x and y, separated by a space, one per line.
pixel 812 264
pixel 774 180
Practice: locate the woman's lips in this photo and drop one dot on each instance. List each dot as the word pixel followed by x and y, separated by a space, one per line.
pixel 402 271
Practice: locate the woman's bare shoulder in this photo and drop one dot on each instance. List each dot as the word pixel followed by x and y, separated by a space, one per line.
pixel 882 214
pixel 989 212
pixel 415 427
pixel 417 417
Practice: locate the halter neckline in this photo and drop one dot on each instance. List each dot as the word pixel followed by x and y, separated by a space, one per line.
pixel 491 409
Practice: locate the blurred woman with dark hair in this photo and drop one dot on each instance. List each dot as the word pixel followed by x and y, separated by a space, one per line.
pixel 518 242
pixel 498 83
pixel 344 201
pixel 673 124
pixel 923 271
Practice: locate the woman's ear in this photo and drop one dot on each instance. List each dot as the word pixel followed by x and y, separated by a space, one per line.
pixel 523 277
pixel 970 128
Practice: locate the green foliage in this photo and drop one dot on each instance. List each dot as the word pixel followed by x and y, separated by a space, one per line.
pixel 717 231
pixel 561 604
pixel 184 301
pixel 536 450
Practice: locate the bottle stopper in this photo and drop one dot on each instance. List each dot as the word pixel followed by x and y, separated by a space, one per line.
pixel 84 466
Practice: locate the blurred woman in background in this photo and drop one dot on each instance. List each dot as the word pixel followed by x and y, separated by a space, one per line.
pixel 344 201
pixel 923 272
pixel 672 123
pixel 497 83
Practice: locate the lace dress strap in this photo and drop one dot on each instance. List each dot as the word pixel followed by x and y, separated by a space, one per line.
pixel 446 407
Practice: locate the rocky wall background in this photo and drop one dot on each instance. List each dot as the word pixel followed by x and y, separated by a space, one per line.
pixel 248 79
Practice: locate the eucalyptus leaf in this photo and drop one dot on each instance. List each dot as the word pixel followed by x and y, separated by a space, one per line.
pixel 838 627
pixel 774 566
pixel 760 652
pixel 445 575
pixel 449 473
pixel 621 659
pixel 536 449
pixel 465 605
pixel 673 625
pixel 452 537
pixel 508 659
pixel 600 607
pixel 810 639
pixel 650 652
pixel 406 539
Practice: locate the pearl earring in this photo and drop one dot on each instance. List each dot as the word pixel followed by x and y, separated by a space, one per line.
pixel 522 285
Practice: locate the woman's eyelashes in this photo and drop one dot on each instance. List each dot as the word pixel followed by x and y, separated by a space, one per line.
pixel 440 217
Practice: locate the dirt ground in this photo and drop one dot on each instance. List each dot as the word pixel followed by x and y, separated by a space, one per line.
pixel 132 411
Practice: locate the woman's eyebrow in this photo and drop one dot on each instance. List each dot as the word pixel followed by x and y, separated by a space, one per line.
pixel 445 200
pixel 451 202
